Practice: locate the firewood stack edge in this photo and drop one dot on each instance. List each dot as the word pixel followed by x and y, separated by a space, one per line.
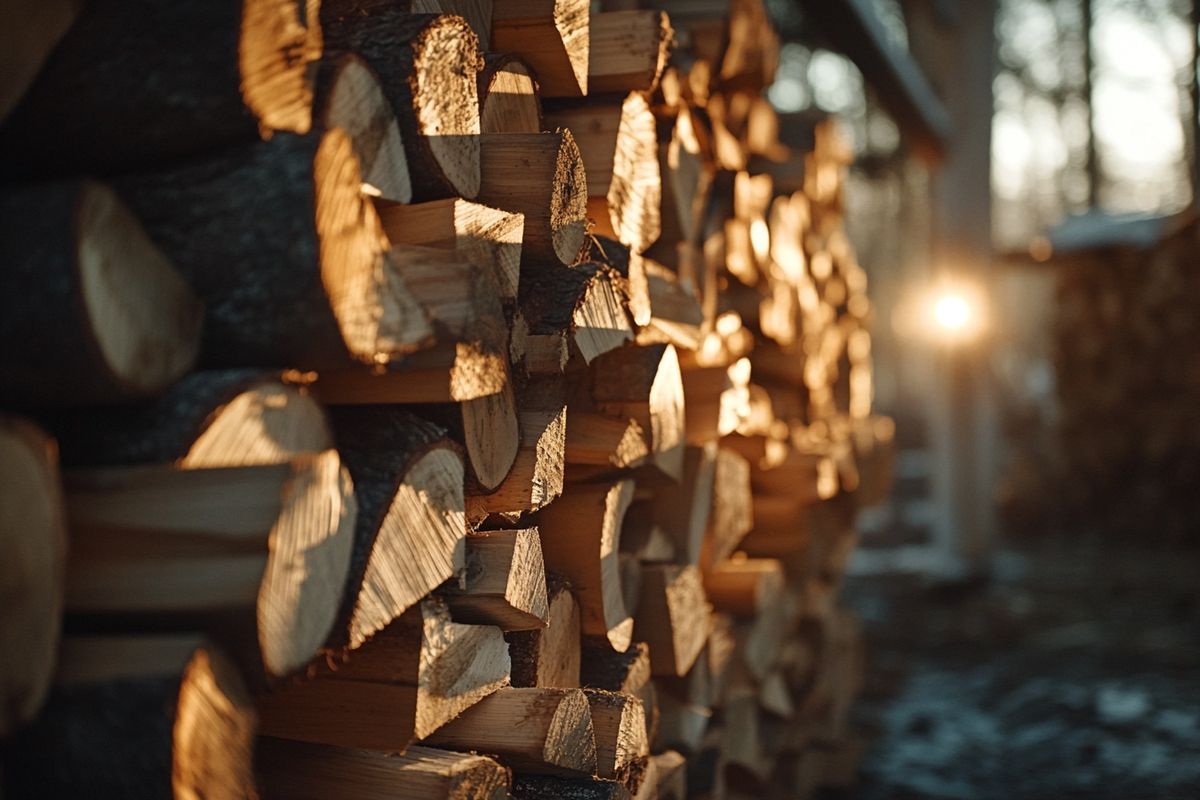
pixel 424 398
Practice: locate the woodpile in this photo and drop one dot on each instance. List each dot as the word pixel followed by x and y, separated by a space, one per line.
pixel 425 398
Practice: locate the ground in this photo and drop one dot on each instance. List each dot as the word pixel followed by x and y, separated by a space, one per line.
pixel 1073 671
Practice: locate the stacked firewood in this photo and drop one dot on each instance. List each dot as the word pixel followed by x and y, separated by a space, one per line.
pixel 453 399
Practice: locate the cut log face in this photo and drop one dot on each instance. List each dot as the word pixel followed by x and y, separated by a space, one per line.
pixel 605 441
pixel 33 542
pixel 492 435
pixel 427 65
pixel 674 617
pixel 536 477
pixel 619 722
pixel 551 36
pixel 92 310
pixel 581 534
pixel 223 73
pixel 619 145
pixel 545 731
pixel 302 771
pixel 408 480
pixel 139 717
pixel 549 657
pixel 349 97
pixel 584 302
pixel 164 540
pixel 504 584
pixel 540 175
pixel 508 98
pixel 627 50
pixel 744 586
pixel 487 237
pixel 682 509
pixel 412 677
pixel 304 286
pixel 645 384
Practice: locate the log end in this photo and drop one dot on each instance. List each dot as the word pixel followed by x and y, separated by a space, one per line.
pixel 446 60
pixel 275 49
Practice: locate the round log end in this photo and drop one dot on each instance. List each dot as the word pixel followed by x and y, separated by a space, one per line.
pixel 144 319
pixel 309 559
pixel 33 545
pixel 214 730
pixel 275 48
pixel 568 201
pixel 492 435
pixel 445 64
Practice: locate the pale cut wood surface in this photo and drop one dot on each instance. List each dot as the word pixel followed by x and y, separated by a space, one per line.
pixel 504 582
pixel 552 36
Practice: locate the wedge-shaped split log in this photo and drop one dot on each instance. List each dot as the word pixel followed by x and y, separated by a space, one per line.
pixel 142 716
pixel 627 50
pixel 551 36
pixel 536 477
pixel 600 440
pixel 487 237
pixel 732 507
pixel 303 771
pixel 33 546
pixel 619 722
pixel 673 617
pixel 644 384
pixel 680 509
pixel 504 584
pixel 743 586
pixel 411 678
pixel 285 251
pixel 269 541
pixel 91 310
pixel 223 72
pixel 408 480
pixel 549 657
pixel 585 304
pixel 619 145
pixel 540 175
pixel 508 98
pixel 541 731
pixel 581 536
pixel 350 96
pixel 427 65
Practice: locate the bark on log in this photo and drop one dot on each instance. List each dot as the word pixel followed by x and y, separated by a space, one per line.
pixel 549 657
pixel 91 311
pixel 223 72
pixel 585 302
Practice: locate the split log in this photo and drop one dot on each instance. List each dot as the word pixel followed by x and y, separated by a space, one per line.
pixel 92 311
pixel 631 268
pixel 545 787
pixel 584 302
pixel 718 399
pixel 33 546
pixel 619 146
pixel 675 313
pixel 744 587
pixel 549 657
pixel 468 360
pixel 733 507
pixel 627 50
pixel 489 430
pixel 551 36
pixel 685 162
pixel 409 679
pixel 302 771
pixel 541 731
pixel 536 477
pixel 681 725
pixel 138 717
pixel 581 536
pixel 673 617
pixel 540 175
pixel 604 441
pixel 610 671
pixel 644 383
pixel 508 98
pixel 31 29
pixel 269 543
pixel 477 13
pixel 741 746
pixel 408 480
pixel 427 65
pixel 761 641
pixel 805 477
pixel 487 237
pixel 351 97
pixel 680 509
pixel 666 777
pixel 284 250
pixel 226 418
pixel 619 723
pixel 224 72
pixel 505 582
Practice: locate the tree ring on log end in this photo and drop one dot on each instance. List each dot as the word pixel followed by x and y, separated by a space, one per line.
pixel 213 737
pixel 446 60
pixel 275 49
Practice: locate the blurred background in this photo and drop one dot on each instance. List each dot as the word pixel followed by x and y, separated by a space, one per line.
pixel 1022 197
